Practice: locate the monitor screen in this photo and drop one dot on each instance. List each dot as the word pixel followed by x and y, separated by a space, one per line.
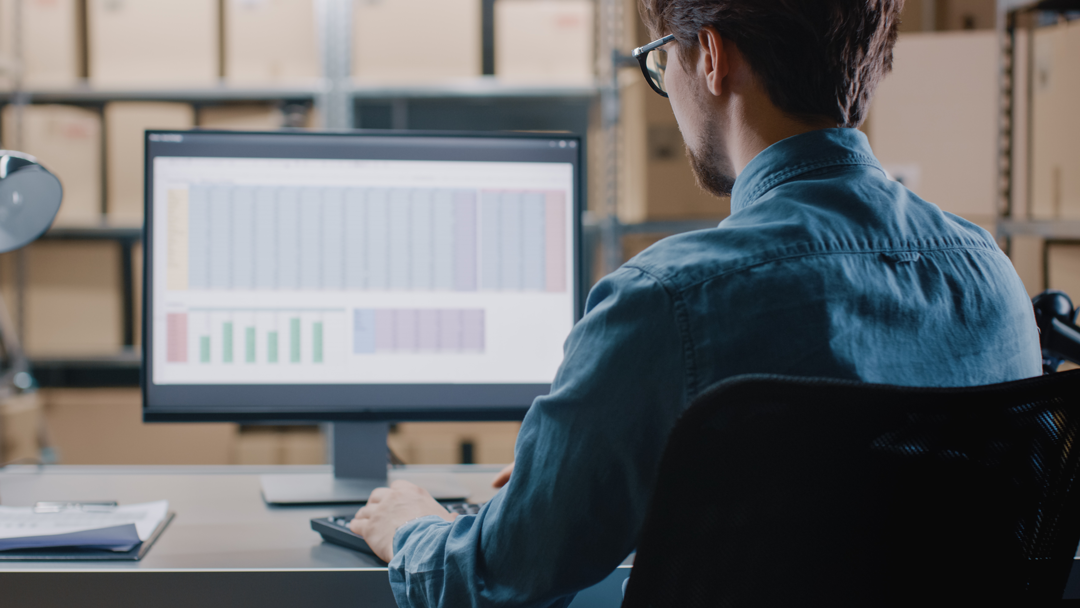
pixel 357 276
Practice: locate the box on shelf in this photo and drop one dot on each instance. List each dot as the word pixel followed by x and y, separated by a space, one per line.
pixel 125 126
pixel 933 123
pixel 942 15
pixel 51 38
pixel 658 183
pixel 73 297
pixel 564 29
pixel 633 244
pixel 444 442
pixel 967 14
pixel 270 42
pixel 416 41
pixel 1063 269
pixel 153 43
pixel 20 427
pixel 279 445
pixel 67 141
pixel 104 426
pixel 245 116
pixel 1026 253
pixel 1056 123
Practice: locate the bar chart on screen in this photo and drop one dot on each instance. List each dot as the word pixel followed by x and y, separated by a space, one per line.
pixel 317 238
pixel 223 336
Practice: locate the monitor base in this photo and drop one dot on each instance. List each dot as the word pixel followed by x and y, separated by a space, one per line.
pixel 325 489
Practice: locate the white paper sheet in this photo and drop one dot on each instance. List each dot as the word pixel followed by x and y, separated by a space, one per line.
pixel 21 522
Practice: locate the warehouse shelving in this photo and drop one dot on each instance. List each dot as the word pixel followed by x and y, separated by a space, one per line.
pixel 1014 206
pixel 342 102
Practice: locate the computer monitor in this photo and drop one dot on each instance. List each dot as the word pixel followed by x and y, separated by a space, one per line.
pixel 359 278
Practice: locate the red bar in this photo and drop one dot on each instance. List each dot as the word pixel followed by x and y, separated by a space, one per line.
pixel 177 338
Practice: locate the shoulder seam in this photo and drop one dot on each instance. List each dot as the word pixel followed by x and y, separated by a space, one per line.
pixel 973 247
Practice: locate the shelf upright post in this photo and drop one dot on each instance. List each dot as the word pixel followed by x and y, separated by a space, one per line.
pixel 611 38
pixel 335 101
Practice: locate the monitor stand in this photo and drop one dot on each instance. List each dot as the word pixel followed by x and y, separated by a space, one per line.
pixel 359 455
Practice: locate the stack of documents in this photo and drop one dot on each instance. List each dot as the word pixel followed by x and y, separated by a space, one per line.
pixel 81 525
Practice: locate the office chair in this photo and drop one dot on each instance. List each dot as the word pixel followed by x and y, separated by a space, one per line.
pixel 780 491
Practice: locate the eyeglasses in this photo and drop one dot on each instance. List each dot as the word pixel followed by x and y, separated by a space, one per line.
pixel 653 60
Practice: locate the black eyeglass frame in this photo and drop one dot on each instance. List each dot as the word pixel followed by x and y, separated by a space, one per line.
pixel 642 55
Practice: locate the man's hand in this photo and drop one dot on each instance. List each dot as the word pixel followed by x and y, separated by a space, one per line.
pixel 503 477
pixel 387 509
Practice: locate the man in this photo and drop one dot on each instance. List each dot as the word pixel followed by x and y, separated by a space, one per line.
pixel 824 268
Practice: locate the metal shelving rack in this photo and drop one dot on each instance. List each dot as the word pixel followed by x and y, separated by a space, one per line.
pixel 1013 220
pixel 336 97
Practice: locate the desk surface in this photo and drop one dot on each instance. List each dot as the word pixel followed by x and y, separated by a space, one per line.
pixel 225 546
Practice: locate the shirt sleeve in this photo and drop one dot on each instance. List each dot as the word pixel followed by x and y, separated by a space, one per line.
pixel 586 462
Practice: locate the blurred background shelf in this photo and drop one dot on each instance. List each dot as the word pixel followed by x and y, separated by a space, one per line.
pixel 483 87
pixel 86 93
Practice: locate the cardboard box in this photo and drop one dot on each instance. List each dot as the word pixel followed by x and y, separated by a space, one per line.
pixel 279 445
pixel 416 41
pixel 443 442
pixel 967 14
pixel 104 426
pixel 20 427
pixel 933 123
pixel 947 15
pixel 153 43
pixel 1026 253
pixel 73 298
pixel 657 181
pixel 257 445
pixel 1056 123
pixel 243 116
pixel 545 41
pixel 1063 269
pixel 67 141
pixel 270 42
pixel 51 33
pixel 303 445
pixel 125 125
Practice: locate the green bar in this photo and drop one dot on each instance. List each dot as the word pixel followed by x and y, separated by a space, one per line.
pixel 271 347
pixel 294 330
pixel 317 356
pixel 204 349
pixel 226 343
pixel 250 344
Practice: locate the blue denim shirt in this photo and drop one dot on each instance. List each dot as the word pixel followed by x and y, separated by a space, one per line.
pixel 824 268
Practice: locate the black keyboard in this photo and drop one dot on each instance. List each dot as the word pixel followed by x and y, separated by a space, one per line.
pixel 335 529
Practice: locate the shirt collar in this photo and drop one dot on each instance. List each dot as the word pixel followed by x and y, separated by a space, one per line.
pixel 794 156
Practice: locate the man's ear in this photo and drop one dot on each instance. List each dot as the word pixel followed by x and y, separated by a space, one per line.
pixel 713 62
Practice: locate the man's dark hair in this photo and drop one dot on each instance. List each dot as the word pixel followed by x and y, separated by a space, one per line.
pixel 815 58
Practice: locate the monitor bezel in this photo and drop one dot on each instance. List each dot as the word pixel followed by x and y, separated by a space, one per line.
pixel 491 402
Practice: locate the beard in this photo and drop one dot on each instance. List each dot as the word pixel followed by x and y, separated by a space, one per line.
pixel 707 165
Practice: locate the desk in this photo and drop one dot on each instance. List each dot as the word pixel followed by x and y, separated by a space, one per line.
pixel 224 548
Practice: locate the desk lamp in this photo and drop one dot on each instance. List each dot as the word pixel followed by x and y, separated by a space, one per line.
pixel 29 199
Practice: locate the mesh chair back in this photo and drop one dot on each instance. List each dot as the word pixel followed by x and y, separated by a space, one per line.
pixel 786 491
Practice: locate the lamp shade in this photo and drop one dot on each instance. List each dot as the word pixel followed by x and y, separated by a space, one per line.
pixel 29 199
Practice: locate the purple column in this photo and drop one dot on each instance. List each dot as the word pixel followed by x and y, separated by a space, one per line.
pixel 405 326
pixel 472 330
pixel 465 241
pixel 450 331
pixel 427 330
